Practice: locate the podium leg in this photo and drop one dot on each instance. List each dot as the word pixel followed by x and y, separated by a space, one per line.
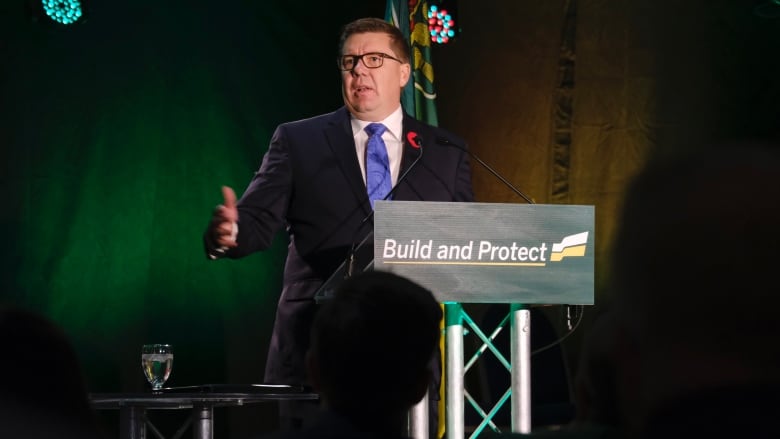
pixel 521 368
pixel 455 370
pixel 419 420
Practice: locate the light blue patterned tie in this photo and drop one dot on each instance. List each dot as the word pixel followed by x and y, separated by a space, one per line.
pixel 378 181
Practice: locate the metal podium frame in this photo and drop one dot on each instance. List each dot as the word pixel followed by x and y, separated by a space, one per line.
pixel 526 254
pixel 520 363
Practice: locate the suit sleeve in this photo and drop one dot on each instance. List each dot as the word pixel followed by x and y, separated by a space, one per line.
pixel 262 208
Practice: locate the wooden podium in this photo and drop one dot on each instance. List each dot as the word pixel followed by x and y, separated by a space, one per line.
pixel 520 254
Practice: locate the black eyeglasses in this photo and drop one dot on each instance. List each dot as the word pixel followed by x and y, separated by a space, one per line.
pixel 372 60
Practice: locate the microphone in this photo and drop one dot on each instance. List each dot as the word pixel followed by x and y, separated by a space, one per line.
pixel 416 141
pixel 446 142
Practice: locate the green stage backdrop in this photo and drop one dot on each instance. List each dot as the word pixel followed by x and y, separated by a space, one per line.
pixel 116 136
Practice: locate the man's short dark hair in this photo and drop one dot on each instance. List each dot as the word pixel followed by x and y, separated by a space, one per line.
pixel 375 25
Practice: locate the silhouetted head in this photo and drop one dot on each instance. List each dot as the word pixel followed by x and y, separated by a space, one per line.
pixel 373 343
pixel 695 276
pixel 696 248
pixel 42 389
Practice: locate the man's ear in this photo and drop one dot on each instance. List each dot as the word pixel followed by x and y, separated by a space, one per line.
pixel 406 72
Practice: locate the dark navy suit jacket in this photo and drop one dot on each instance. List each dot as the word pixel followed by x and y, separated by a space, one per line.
pixel 310 183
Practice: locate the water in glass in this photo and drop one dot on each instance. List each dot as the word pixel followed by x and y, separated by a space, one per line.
pixel 157 363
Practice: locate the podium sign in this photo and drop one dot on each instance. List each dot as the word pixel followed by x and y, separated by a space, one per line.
pixel 489 252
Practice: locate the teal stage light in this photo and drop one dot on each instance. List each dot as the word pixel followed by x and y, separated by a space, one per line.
pixel 63 11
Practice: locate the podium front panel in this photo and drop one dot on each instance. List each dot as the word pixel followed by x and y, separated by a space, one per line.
pixel 489 252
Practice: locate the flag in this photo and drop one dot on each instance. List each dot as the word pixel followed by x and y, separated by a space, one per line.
pixel 418 99
pixel 419 95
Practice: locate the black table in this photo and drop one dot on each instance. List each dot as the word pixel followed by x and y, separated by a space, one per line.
pixel 201 399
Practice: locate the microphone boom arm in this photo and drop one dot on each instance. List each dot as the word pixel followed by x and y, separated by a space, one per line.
pixel 447 142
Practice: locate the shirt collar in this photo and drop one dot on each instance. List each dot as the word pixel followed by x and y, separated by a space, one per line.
pixel 393 122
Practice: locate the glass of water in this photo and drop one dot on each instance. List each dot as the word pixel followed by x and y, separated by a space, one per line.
pixel 157 362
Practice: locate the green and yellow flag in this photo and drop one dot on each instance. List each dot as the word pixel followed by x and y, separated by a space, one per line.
pixel 419 95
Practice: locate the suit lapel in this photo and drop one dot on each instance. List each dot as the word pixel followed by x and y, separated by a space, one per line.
pixel 342 143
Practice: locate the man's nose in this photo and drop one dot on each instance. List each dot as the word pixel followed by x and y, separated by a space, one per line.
pixel 359 65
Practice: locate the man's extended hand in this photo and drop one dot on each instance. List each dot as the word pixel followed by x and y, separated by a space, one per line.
pixel 223 227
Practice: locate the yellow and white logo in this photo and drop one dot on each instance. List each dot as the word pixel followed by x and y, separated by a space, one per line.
pixel 572 245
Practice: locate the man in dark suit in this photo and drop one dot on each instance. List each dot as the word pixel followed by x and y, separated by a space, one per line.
pixel 312 182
